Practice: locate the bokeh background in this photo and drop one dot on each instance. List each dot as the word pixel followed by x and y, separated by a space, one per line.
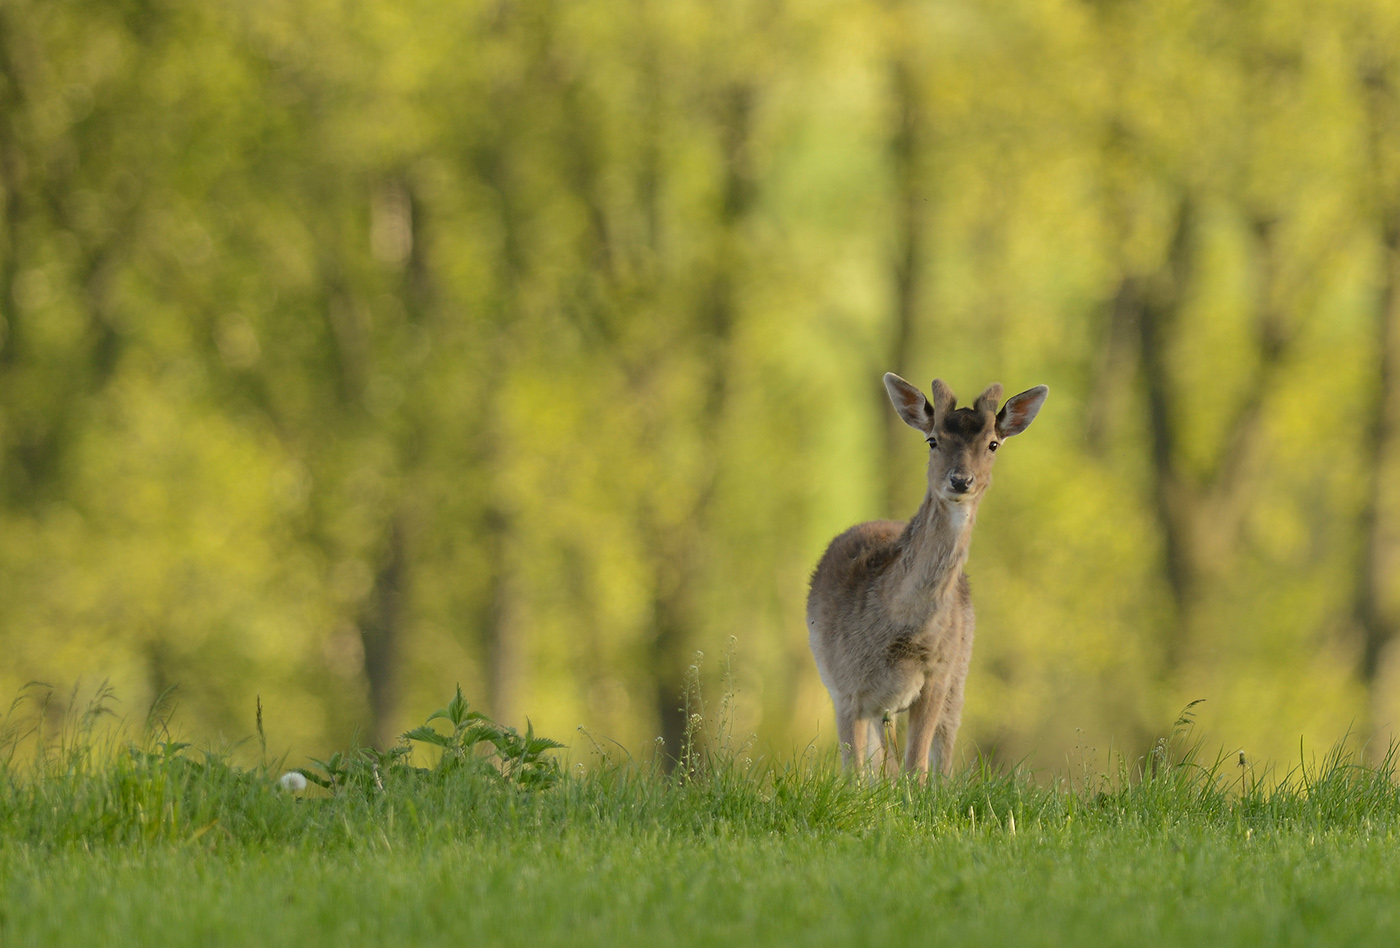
pixel 352 350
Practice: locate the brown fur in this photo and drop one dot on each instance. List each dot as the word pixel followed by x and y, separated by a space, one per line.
pixel 889 615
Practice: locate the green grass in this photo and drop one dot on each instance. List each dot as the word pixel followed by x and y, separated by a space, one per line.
pixel 152 843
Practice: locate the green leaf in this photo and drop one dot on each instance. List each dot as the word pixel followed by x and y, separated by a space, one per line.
pixel 171 748
pixel 387 758
pixel 314 777
pixel 427 735
pixel 480 732
pixel 457 709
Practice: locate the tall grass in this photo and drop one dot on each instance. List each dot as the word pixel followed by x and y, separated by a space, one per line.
pixel 74 783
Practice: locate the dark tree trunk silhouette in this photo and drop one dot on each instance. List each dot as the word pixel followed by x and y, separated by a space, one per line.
pixel 678 567
pixel 906 146
pixel 381 621
pixel 1378 627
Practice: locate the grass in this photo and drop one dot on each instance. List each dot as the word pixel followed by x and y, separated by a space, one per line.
pixel 152 843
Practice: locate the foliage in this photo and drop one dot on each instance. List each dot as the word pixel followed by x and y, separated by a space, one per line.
pixel 348 351
pixel 513 757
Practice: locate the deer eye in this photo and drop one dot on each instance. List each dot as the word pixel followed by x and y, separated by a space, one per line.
pixel 994 445
pixel 933 442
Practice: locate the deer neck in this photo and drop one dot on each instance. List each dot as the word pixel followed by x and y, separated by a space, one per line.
pixel 934 548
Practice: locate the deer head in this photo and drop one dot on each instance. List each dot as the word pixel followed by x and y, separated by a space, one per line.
pixel 962 441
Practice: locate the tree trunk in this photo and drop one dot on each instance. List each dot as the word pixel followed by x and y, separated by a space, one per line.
pixel 396 239
pixel 380 624
pixel 1159 301
pixel 1377 627
pixel 905 145
pixel 672 625
pixel 1375 622
pixel 677 570
pixel 504 649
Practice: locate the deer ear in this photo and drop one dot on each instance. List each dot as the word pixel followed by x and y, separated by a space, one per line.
pixel 911 404
pixel 1020 410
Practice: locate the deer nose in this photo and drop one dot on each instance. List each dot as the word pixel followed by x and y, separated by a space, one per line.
pixel 960 482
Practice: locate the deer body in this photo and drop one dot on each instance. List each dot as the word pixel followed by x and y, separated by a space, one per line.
pixel 889 614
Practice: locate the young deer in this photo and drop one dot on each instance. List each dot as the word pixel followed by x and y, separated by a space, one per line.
pixel 889 615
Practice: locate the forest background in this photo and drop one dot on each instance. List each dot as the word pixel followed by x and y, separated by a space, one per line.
pixel 352 350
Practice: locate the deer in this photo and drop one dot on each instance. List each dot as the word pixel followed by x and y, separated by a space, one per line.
pixel 889 611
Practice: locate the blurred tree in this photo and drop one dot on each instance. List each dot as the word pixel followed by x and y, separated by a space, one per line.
pixel 1373 607
pixel 68 223
pixel 1201 477
pixel 913 178
pixel 351 350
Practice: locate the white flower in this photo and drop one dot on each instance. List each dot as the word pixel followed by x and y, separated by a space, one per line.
pixel 292 782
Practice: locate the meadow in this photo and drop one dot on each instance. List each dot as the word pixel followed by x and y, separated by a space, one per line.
pixel 352 350
pixel 468 832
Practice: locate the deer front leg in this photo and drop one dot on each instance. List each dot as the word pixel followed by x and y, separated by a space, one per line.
pixel 889 751
pixel 923 722
pixel 941 756
pixel 879 749
pixel 854 735
pixel 941 752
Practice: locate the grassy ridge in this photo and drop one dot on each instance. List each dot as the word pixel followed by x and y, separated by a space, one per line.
pixel 151 843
